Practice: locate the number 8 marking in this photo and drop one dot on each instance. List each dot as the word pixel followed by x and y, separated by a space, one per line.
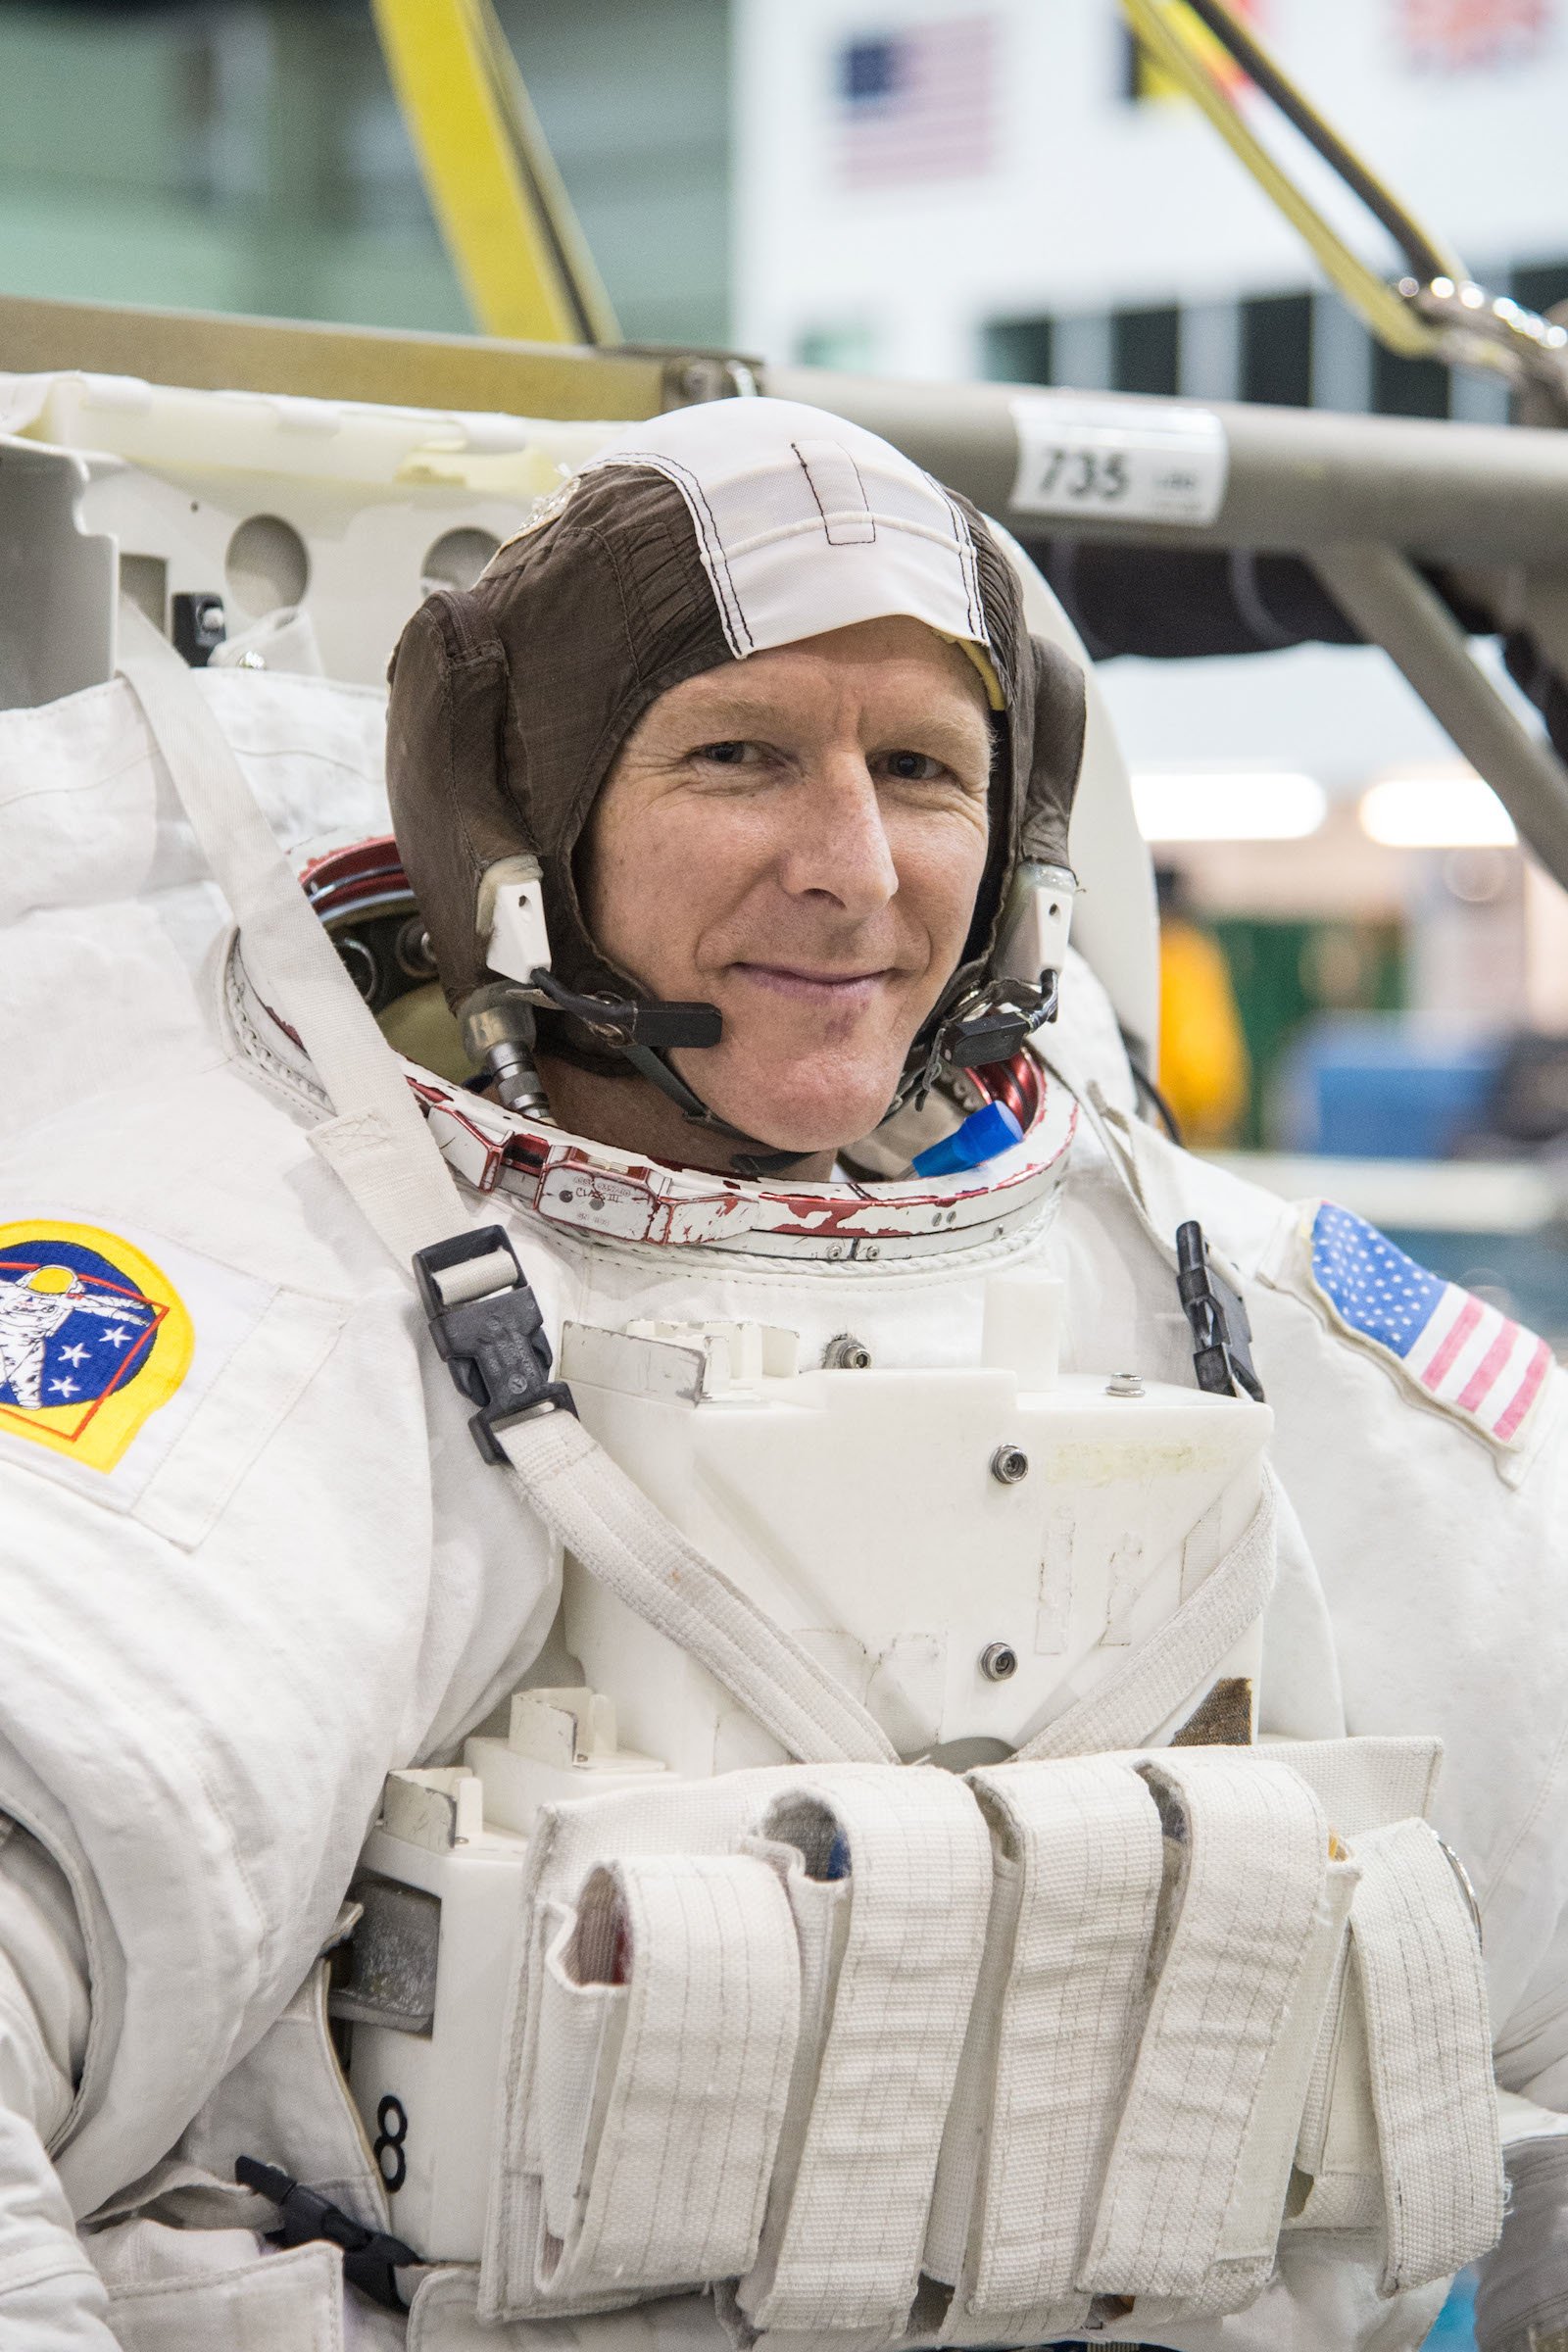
pixel 392 2125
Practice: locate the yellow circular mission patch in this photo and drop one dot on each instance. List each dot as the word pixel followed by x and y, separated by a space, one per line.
pixel 93 1339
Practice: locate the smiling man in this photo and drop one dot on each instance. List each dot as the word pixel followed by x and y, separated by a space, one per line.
pixel 800 843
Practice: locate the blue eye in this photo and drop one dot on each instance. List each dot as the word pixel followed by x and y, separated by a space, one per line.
pixel 914 767
pixel 723 755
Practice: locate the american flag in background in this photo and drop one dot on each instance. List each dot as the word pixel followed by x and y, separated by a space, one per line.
pixel 1461 1351
pixel 1457 37
pixel 917 104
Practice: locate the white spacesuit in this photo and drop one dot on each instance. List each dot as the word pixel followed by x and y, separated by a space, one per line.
pixel 765 1996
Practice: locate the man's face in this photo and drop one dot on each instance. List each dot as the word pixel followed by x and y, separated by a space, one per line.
pixel 799 839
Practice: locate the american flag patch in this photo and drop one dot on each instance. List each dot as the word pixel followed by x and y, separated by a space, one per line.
pixel 1461 1352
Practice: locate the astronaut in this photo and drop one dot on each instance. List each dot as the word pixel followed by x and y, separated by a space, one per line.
pixel 736 801
pixel 33 1307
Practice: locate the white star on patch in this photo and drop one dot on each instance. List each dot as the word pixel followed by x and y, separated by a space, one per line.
pixel 118 1336
pixel 63 1387
pixel 73 1356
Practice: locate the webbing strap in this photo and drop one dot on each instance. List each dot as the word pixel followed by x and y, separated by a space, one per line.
pixel 845 2251
pixel 1130 1705
pixel 378 1144
pixel 609 1523
pixel 1429 2047
pixel 1087 1843
pixel 1251 1849
pixel 678 2173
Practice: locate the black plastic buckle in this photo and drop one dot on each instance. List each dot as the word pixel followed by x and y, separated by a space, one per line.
pixel 493 1346
pixel 996 1032
pixel 371 2257
pixel 1222 1335
pixel 985 1038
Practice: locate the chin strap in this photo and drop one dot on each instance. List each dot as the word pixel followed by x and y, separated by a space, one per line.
pixel 644 1034
pixel 988 1024
pixel 756 1160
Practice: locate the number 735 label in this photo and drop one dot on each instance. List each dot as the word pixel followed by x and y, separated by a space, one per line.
pixel 1153 463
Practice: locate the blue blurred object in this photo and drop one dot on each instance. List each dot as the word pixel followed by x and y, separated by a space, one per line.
pixel 1382 1089
pixel 987 1131
pixel 1455 2328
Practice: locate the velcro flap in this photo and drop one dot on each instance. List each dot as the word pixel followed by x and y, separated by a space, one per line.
pixel 1247 1853
pixel 1060 2028
pixel 669 2013
pixel 847 2220
pixel 1416 1952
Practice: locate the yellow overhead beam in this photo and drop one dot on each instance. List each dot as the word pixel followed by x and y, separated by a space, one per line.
pixel 499 200
pixel 1176 40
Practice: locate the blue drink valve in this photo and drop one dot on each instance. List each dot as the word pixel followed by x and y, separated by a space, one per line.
pixel 986 1132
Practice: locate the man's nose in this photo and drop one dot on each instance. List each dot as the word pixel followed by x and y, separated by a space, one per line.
pixel 839 848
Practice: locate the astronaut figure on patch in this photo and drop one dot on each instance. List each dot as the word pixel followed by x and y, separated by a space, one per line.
pixel 37 1305
pixel 962 1721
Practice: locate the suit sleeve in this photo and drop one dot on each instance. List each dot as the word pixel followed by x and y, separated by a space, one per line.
pixel 51 2299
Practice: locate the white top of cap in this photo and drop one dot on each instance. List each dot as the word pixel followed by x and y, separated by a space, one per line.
pixel 808 522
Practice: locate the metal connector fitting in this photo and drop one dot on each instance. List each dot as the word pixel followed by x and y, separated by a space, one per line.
pixel 498 1036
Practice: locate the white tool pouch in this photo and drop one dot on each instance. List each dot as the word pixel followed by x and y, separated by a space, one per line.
pixel 735 2038
pixel 893 1950
pixel 1120 2142
pixel 1399 2134
pixel 668 2010
pixel 894 2058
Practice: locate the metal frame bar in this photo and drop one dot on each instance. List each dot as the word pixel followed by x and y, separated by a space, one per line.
pixel 1392 605
pixel 1299 478
pixel 209 352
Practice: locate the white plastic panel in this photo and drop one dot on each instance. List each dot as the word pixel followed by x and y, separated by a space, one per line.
pixel 353 512
pixel 873 1515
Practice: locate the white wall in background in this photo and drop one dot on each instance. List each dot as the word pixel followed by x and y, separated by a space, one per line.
pixel 1085 201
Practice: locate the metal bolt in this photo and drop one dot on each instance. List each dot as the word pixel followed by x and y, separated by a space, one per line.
pixel 1008 1464
pixel 999 1660
pixel 1124 1384
pixel 847 1353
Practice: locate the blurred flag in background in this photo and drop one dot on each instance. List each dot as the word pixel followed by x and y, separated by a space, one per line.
pixel 1457 36
pixel 916 104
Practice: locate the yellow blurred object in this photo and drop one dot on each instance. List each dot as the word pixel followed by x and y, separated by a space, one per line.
pixel 420 1026
pixel 1154 82
pixel 1203 1067
pixel 500 202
